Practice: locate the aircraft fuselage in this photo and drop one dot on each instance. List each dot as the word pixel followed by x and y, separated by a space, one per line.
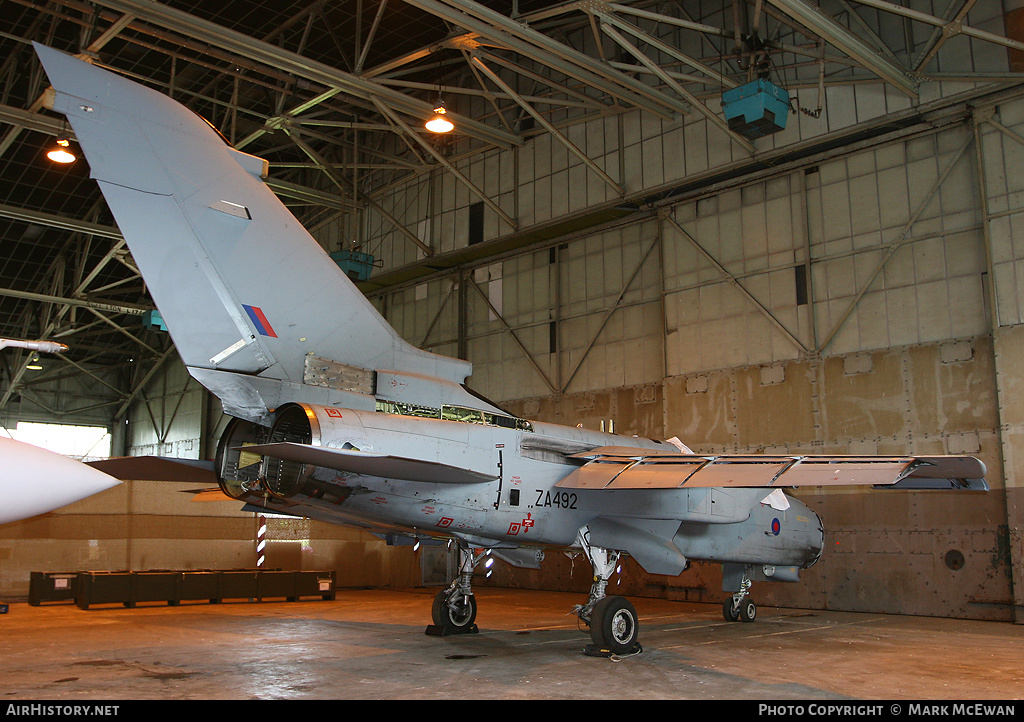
pixel 521 505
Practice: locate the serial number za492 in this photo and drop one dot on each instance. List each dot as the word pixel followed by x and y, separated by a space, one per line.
pixel 561 499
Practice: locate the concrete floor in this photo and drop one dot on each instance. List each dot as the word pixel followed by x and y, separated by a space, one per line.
pixel 370 644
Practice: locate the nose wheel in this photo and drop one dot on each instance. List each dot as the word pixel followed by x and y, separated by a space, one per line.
pixel 454 615
pixel 744 611
pixel 740 607
pixel 454 608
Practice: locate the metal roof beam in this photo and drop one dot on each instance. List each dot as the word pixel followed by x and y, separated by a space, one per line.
pixel 308 195
pixel 369 37
pixel 658 17
pixel 404 128
pixel 30 120
pixel 54 221
pixel 346 185
pixel 666 48
pixel 550 52
pixel 569 145
pixel 518 69
pixel 938 38
pixel 458 90
pixel 842 38
pixel 712 117
pixel 956 27
pixel 109 306
pixel 263 52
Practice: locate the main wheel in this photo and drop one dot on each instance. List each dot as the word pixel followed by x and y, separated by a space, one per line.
pixel 729 611
pixel 748 610
pixel 458 619
pixel 614 625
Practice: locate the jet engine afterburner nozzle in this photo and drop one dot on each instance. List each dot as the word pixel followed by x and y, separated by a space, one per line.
pixel 254 461
pixel 295 424
pixel 238 470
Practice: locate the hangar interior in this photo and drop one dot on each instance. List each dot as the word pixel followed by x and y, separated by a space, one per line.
pixel 594 236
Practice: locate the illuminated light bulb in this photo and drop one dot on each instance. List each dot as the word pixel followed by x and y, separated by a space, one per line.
pixel 61 154
pixel 438 123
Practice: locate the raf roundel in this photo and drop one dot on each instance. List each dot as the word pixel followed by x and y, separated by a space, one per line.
pixel 776 527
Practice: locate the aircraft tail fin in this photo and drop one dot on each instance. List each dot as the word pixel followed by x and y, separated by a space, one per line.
pixel 240 284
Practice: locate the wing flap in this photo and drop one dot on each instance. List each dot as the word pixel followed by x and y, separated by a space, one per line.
pixel 626 468
pixel 598 473
pixel 657 474
pixel 958 467
pixel 371 464
pixel 846 471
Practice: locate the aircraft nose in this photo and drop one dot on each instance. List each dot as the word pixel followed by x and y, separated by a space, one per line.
pixel 35 481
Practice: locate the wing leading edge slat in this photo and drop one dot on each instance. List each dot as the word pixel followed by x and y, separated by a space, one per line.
pixel 625 468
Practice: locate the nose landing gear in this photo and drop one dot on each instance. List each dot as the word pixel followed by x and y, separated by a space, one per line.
pixel 739 607
pixel 454 608
pixel 614 625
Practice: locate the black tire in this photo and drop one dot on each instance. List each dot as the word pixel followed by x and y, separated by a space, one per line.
pixel 453 619
pixel 596 633
pixel 748 610
pixel 729 611
pixel 614 625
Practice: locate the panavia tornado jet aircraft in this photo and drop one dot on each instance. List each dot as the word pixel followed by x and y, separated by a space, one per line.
pixel 337 418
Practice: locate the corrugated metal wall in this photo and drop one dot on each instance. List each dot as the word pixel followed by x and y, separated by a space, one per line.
pixel 891 234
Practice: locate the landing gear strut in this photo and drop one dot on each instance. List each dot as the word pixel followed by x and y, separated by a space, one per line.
pixel 454 609
pixel 739 607
pixel 614 626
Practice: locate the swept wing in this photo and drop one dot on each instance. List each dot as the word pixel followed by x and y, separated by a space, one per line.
pixel 615 467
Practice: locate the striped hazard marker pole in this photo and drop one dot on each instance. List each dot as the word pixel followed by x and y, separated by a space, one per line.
pixel 261 541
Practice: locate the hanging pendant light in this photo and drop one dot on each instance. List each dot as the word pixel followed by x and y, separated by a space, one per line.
pixel 439 122
pixel 61 154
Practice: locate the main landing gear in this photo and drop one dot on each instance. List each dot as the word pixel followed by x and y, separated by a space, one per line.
pixel 739 607
pixel 454 609
pixel 614 625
